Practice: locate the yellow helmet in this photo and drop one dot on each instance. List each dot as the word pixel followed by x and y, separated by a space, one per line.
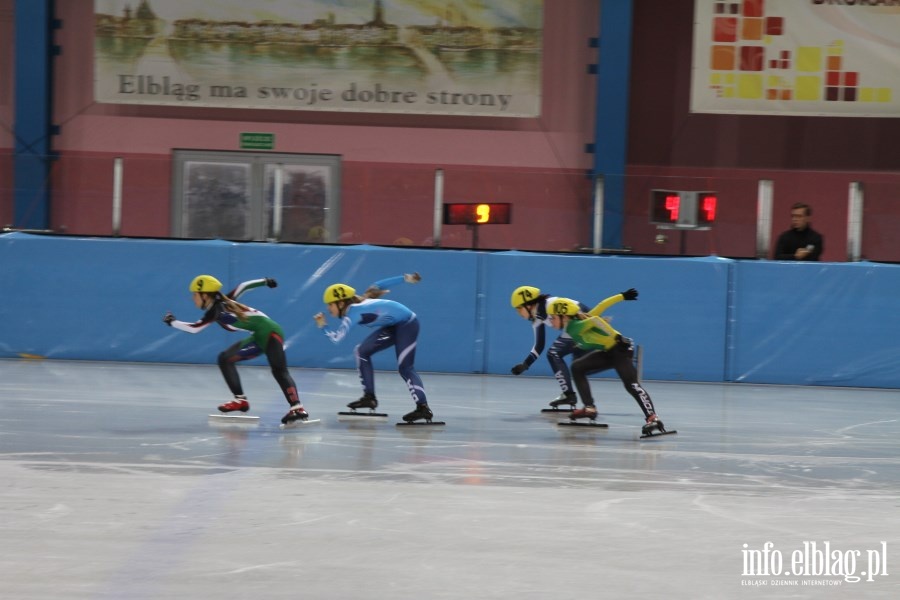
pixel 524 294
pixel 205 283
pixel 337 292
pixel 563 307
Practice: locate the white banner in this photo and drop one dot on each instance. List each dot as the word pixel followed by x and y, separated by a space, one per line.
pixel 395 56
pixel 797 57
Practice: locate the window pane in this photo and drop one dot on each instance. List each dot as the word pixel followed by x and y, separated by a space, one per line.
pixel 216 200
pixel 305 192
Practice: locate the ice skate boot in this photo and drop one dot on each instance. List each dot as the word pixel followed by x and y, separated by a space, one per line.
pixel 654 428
pixel 563 403
pixel 588 412
pixel 239 403
pixel 653 424
pixel 297 413
pixel 367 401
pixel 565 399
pixel 421 412
pixel 296 417
pixel 589 415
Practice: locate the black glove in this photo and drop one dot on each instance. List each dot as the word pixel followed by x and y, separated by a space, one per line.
pixel 168 319
pixel 623 341
pixel 630 294
pixel 519 369
pixel 271 282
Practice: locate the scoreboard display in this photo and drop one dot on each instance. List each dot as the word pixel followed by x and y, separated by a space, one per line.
pixel 485 213
pixel 683 210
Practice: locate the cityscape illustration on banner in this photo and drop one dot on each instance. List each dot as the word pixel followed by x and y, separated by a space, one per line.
pixel 395 56
pixel 803 57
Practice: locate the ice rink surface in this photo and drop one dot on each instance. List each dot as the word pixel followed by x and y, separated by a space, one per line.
pixel 116 486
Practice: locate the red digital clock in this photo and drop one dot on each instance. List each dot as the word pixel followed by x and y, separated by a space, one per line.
pixel 688 210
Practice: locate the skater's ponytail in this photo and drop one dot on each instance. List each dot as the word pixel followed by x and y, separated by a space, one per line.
pixel 233 306
pixel 372 292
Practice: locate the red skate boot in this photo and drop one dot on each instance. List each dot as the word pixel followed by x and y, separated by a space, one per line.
pixel 588 412
pixel 239 403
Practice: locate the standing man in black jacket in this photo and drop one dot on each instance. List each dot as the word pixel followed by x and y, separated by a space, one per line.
pixel 800 242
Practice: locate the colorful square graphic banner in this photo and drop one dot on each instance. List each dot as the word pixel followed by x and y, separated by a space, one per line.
pixel 797 57
pixel 386 56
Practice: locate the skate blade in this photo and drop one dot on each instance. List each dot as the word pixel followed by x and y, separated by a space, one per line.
pixel 422 424
pixel 358 416
pixel 234 420
pixel 583 424
pixel 646 436
pixel 556 411
pixel 299 423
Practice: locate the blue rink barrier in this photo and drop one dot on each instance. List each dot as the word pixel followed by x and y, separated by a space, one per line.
pixel 698 319
pixel 833 324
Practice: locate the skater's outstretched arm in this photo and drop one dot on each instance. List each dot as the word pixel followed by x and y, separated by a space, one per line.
pixel 371 313
pixel 630 294
pixel 195 327
pixel 380 287
pixel 249 285
pixel 539 340
pixel 341 332
pixel 335 335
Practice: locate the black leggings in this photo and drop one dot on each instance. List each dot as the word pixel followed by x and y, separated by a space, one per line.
pixel 277 361
pixel 621 358
pixel 562 347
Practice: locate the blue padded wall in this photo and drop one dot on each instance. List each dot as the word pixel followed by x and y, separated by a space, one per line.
pixel 816 324
pixel 706 319
pixel 104 299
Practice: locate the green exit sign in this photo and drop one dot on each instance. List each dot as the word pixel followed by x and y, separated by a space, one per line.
pixel 257 141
